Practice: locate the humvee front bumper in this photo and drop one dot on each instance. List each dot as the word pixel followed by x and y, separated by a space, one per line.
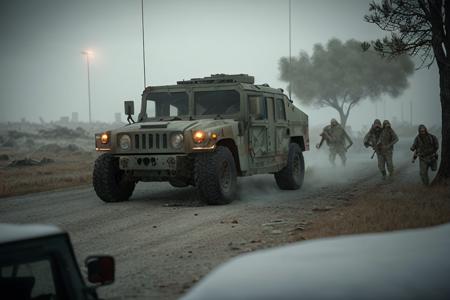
pixel 151 162
pixel 158 167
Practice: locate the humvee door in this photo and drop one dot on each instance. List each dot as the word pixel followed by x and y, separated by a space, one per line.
pixel 261 133
pixel 281 129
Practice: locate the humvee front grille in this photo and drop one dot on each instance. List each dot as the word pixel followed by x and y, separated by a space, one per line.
pixel 149 141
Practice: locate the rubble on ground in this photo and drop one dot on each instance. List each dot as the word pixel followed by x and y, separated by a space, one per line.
pixel 14 134
pixel 9 143
pixel 29 143
pixel 30 162
pixel 59 132
pixel 320 209
pixel 55 148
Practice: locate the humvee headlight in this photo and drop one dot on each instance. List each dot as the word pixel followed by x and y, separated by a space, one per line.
pixel 104 138
pixel 199 136
pixel 125 142
pixel 176 140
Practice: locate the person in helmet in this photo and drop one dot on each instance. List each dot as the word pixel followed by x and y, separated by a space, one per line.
pixel 383 141
pixel 372 137
pixel 425 147
pixel 336 139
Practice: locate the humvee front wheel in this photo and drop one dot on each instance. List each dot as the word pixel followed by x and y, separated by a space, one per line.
pixel 215 176
pixel 292 175
pixel 110 183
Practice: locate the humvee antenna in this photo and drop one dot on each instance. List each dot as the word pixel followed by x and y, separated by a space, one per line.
pixel 290 51
pixel 143 40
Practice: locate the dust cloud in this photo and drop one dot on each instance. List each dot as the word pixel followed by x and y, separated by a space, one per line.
pixel 321 174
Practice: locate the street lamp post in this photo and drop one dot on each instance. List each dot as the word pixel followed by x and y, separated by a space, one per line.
pixel 88 55
pixel 290 51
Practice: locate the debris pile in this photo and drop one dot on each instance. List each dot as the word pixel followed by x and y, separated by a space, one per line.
pixel 9 143
pixel 55 148
pixel 31 139
pixel 59 132
pixel 30 162
pixel 14 134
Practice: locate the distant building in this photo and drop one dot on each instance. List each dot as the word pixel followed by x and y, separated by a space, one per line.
pixel 64 120
pixel 74 117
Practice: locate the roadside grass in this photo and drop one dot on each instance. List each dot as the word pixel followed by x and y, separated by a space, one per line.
pixel 385 208
pixel 69 171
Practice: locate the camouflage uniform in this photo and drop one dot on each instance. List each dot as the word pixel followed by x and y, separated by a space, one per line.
pixel 335 137
pixel 382 141
pixel 386 148
pixel 372 137
pixel 425 146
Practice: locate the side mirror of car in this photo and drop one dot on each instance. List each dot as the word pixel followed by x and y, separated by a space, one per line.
pixel 129 108
pixel 101 269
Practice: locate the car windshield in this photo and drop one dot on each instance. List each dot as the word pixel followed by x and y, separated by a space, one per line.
pixel 167 104
pixel 216 103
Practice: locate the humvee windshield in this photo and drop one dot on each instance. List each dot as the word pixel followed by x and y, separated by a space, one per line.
pixel 166 104
pixel 216 103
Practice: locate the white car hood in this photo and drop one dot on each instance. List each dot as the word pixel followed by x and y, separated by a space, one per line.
pixel 410 264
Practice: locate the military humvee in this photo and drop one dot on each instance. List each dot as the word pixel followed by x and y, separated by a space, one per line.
pixel 204 132
pixel 38 262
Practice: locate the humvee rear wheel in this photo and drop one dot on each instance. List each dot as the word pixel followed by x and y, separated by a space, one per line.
pixel 291 177
pixel 215 176
pixel 110 183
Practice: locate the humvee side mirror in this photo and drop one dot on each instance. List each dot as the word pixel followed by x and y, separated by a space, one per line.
pixel 129 110
pixel 101 269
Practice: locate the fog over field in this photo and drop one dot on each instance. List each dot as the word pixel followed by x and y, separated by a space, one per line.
pixel 43 73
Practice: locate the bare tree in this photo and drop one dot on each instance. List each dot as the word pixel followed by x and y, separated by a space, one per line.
pixel 341 75
pixel 420 28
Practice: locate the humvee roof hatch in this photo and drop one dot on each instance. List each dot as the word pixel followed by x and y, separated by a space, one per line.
pixel 220 78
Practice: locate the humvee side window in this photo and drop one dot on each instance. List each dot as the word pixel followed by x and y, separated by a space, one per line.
pixel 280 113
pixel 257 107
pixel 217 102
pixel 164 104
pixel 31 280
pixel 173 111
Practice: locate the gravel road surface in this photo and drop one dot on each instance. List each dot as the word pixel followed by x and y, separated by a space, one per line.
pixel 164 239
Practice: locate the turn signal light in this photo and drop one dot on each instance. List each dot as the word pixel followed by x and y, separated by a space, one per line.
pixel 199 136
pixel 104 138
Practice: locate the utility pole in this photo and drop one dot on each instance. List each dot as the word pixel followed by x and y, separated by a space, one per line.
pixel 384 109
pixel 88 54
pixel 290 51
pixel 143 41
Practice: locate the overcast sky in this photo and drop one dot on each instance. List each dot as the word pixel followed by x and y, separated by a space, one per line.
pixel 43 74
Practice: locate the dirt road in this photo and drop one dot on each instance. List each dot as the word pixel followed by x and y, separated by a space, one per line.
pixel 164 239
